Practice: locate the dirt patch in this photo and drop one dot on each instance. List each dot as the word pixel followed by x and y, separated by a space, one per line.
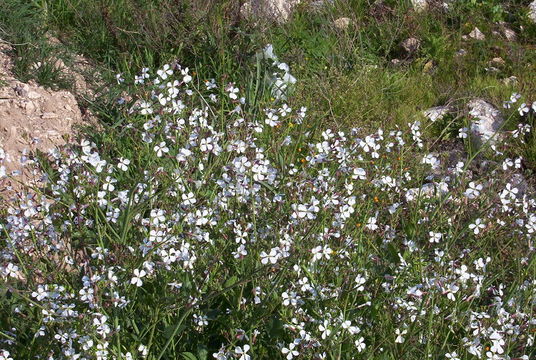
pixel 31 118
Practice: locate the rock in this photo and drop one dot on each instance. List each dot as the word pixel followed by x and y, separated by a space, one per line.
pixel 461 52
pixel 497 61
pixel 342 23
pixel 419 5
pixel 512 80
pixel 488 121
pixel 477 34
pixel 508 33
pixel 273 10
pixel 410 45
pixel 436 113
pixel 532 11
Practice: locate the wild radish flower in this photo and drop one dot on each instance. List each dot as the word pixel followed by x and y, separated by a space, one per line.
pixel 473 191
pixel 137 278
pixel 165 72
pixel 161 149
pixel 242 352
pixel 188 199
pixel 271 258
pixel 290 352
pixel 320 252
pixel 451 290
pixel 523 109
pixel 324 329
pixel 123 164
pixel 452 356
pixel 477 226
pixel 400 336
pixel 462 133
pixel 119 78
pixel 434 237
pixel 109 184
pixel 146 108
pixel 232 91
pixel 360 280
pixel 360 344
pixel 185 76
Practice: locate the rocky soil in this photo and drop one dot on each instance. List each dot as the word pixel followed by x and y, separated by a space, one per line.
pixel 32 118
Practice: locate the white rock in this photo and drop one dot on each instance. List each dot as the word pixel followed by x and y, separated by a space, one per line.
pixel 488 121
pixel 477 34
pixel 342 23
pixel 275 10
pixel 436 113
pixel 532 11
pixel 419 5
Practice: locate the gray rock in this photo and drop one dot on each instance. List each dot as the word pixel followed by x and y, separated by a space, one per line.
pixel 487 123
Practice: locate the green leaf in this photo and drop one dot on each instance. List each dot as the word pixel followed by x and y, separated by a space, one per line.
pixel 188 356
pixel 202 352
pixel 230 282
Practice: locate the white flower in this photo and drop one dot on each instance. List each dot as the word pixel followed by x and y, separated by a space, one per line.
pixel 146 108
pixel 400 336
pixel 161 149
pixel 324 328
pixel 137 278
pixel 452 356
pixel 4 355
pixel 272 257
pixel 360 280
pixel 188 199
pixel 123 164
pixel 360 344
pixel 435 237
pixel 523 109
pixel 290 352
pixel 473 191
pixel 476 226
pixel 165 72
pixel 242 352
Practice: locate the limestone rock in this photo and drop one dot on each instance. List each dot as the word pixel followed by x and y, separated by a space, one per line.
pixel 274 10
pixel 477 34
pixel 532 11
pixel 487 123
pixel 342 23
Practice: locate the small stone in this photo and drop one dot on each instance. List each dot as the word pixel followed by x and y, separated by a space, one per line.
pixel 497 61
pixel 429 66
pixel 477 34
pixel 411 45
pixel 49 115
pixel 512 80
pixel 461 52
pixel 342 23
pixel 509 34
pixel 436 113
